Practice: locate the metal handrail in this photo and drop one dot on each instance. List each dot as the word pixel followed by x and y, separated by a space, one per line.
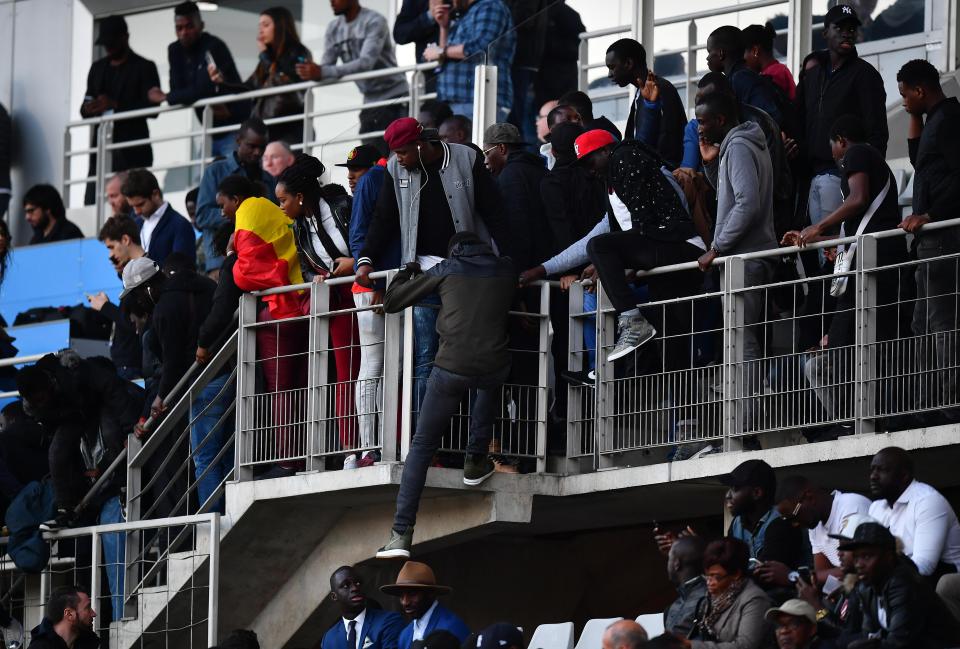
pixel 251 94
pixel 21 360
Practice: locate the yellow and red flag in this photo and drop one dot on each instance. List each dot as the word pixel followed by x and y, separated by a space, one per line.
pixel 267 255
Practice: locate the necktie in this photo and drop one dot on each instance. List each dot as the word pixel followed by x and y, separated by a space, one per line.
pixel 352 635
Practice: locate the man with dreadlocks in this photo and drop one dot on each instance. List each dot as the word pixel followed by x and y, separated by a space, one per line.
pixel 321 225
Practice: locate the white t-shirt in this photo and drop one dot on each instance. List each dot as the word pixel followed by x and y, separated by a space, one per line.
pixel 926 524
pixel 330 227
pixel 844 505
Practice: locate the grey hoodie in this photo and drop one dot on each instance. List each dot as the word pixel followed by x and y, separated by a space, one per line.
pixel 743 178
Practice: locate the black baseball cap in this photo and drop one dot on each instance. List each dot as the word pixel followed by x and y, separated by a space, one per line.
pixel 868 534
pixel 841 13
pixel 363 156
pixel 112 29
pixel 752 473
pixel 500 636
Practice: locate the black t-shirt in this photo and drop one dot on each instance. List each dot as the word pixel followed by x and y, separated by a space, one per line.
pixel 435 223
pixel 863 158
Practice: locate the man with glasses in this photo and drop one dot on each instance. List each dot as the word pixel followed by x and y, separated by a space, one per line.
pixel 796 625
pixel 823 512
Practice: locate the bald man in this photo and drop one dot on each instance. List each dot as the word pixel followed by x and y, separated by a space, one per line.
pixel 685 571
pixel 914 512
pixel 625 634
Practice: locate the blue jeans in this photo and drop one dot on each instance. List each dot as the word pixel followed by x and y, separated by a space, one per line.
pixel 445 391
pixel 206 438
pixel 466 108
pixel 224 144
pixel 425 344
pixel 113 554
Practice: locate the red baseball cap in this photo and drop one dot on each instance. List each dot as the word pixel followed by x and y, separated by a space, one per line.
pixel 590 141
pixel 402 131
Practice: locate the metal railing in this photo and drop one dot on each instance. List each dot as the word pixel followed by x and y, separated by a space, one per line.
pixel 152 584
pixel 302 404
pixel 104 145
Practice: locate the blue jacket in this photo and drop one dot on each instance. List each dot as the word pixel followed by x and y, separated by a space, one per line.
pixel 209 217
pixel 364 201
pixel 381 630
pixel 442 619
pixel 174 233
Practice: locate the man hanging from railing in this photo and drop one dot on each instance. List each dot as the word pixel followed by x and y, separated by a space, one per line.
pixel 90 411
pixel 431 191
pixel 476 289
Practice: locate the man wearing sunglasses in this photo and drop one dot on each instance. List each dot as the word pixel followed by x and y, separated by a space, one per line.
pixel 805 504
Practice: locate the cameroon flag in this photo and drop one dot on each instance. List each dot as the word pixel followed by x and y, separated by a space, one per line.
pixel 267 255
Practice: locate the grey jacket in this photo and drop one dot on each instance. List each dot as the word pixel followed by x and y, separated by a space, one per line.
pixel 743 178
pixel 742 626
pixel 456 174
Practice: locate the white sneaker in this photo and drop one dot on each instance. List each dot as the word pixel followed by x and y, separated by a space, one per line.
pixel 350 462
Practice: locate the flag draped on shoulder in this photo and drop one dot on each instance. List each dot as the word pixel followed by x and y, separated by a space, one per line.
pixel 267 255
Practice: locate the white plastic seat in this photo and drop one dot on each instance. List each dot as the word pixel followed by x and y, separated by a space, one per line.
pixel 552 636
pixel 593 632
pixel 652 623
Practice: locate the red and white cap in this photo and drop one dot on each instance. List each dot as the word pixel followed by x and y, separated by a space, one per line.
pixel 590 141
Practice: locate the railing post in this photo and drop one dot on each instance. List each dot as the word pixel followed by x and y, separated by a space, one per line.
pixel 642 26
pixel 318 356
pixel 308 137
pixel 605 409
pixel 799 33
pixel 865 383
pixel 104 160
pixel 484 99
pixel 691 67
pixel 583 59
pixel 543 357
pixel 733 366
pixel 67 159
pixel 95 567
pixel 390 384
pixel 246 387
pixel 575 362
pixel 213 593
pixel 952 36
pixel 131 540
pixel 206 139
pixel 406 404
pixel 413 107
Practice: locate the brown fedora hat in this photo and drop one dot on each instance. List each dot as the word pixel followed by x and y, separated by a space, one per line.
pixel 415 575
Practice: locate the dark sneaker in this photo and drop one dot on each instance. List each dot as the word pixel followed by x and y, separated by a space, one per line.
pixel 584 377
pixel 398 547
pixel 634 331
pixel 476 469
pixel 64 519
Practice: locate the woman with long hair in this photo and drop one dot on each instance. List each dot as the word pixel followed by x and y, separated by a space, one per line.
pixel 321 216
pixel 280 52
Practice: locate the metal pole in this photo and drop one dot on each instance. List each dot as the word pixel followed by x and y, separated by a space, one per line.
pixel 691 67
pixel 246 388
pixel 733 366
pixel 67 147
pixel 213 592
pixel 799 34
pixel 318 415
pixel 865 404
pixel 406 404
pixel 308 99
pixel 390 384
pixel 206 140
pixel 484 99
pixel 583 59
pixel 95 568
pixel 413 109
pixel 543 356
pixel 641 27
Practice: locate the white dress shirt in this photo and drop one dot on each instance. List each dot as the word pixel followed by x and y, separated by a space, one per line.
pixel 420 626
pixel 150 224
pixel 926 524
pixel 359 627
pixel 844 506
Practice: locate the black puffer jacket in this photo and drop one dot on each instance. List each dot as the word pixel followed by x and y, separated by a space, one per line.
pixel 916 618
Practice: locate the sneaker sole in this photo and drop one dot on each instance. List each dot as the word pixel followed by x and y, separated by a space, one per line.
pixel 623 352
pixel 393 554
pixel 473 482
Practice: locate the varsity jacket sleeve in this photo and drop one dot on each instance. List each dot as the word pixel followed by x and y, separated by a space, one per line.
pixel 384 226
pixel 489 206
pixel 407 289
pixel 376 33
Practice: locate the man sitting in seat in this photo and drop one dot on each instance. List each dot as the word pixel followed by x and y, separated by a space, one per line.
pixel 417 588
pixel 359 626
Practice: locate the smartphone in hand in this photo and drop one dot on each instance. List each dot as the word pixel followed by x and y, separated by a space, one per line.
pixel 210 60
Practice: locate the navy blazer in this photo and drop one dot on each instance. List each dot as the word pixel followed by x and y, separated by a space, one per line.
pixel 442 619
pixel 174 233
pixel 381 630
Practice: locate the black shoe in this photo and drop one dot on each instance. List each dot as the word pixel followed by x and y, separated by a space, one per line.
pixel 63 519
pixel 584 377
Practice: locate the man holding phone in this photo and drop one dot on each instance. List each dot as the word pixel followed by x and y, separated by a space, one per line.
pixel 360 39
pixel 189 56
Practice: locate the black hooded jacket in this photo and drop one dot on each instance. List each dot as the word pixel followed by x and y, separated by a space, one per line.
pixel 44 637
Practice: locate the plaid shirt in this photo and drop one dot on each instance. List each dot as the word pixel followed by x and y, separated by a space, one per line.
pixel 486 29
